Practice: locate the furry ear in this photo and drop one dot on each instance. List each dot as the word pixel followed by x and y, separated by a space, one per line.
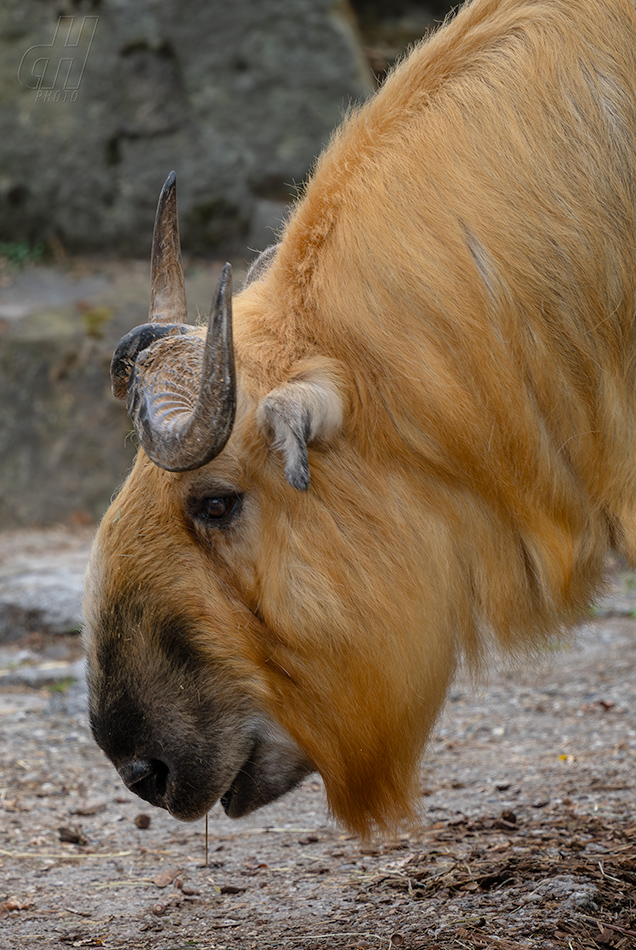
pixel 305 409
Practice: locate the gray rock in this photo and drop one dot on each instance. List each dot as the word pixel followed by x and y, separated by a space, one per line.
pixel 49 600
pixel 42 585
pixel 44 289
pixel 62 434
pixel 37 675
pixel 237 97
pixel 576 893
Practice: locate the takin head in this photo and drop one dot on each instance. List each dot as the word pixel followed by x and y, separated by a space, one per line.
pixel 242 627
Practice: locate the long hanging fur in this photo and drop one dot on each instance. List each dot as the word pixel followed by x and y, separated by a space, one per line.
pixel 462 266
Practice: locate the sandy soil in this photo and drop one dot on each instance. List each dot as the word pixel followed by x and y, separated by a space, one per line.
pixel 528 833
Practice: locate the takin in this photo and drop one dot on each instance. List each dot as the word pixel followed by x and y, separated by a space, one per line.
pixel 409 440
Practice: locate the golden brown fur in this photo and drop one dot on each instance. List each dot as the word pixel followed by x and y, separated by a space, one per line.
pixel 463 267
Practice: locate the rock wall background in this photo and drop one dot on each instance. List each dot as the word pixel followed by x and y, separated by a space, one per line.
pixel 237 97
pixel 99 100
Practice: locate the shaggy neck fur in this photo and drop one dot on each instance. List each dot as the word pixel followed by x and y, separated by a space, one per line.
pixel 466 249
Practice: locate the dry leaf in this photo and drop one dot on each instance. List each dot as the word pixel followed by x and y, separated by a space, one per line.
pixel 90 808
pixel 12 903
pixel 166 877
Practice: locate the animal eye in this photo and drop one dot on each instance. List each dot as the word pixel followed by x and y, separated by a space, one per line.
pixel 216 509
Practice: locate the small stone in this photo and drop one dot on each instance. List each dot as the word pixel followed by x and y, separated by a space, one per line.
pixel 72 835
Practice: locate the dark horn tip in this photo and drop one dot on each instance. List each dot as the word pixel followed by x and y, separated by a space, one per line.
pixel 169 190
pixel 224 286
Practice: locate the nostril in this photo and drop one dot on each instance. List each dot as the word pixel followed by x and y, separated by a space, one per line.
pixel 135 771
pixel 147 778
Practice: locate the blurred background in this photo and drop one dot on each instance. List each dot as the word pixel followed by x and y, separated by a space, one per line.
pixel 99 100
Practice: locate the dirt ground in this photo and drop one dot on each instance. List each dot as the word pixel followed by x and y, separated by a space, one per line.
pixel 527 836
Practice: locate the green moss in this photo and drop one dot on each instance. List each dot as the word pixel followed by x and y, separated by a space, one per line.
pixel 18 254
pixel 61 686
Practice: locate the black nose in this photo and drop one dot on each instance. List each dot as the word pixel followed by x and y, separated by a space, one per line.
pixel 147 778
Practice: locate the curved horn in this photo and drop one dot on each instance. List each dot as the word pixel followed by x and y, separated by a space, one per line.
pixel 167 291
pixel 176 432
pixel 167 288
